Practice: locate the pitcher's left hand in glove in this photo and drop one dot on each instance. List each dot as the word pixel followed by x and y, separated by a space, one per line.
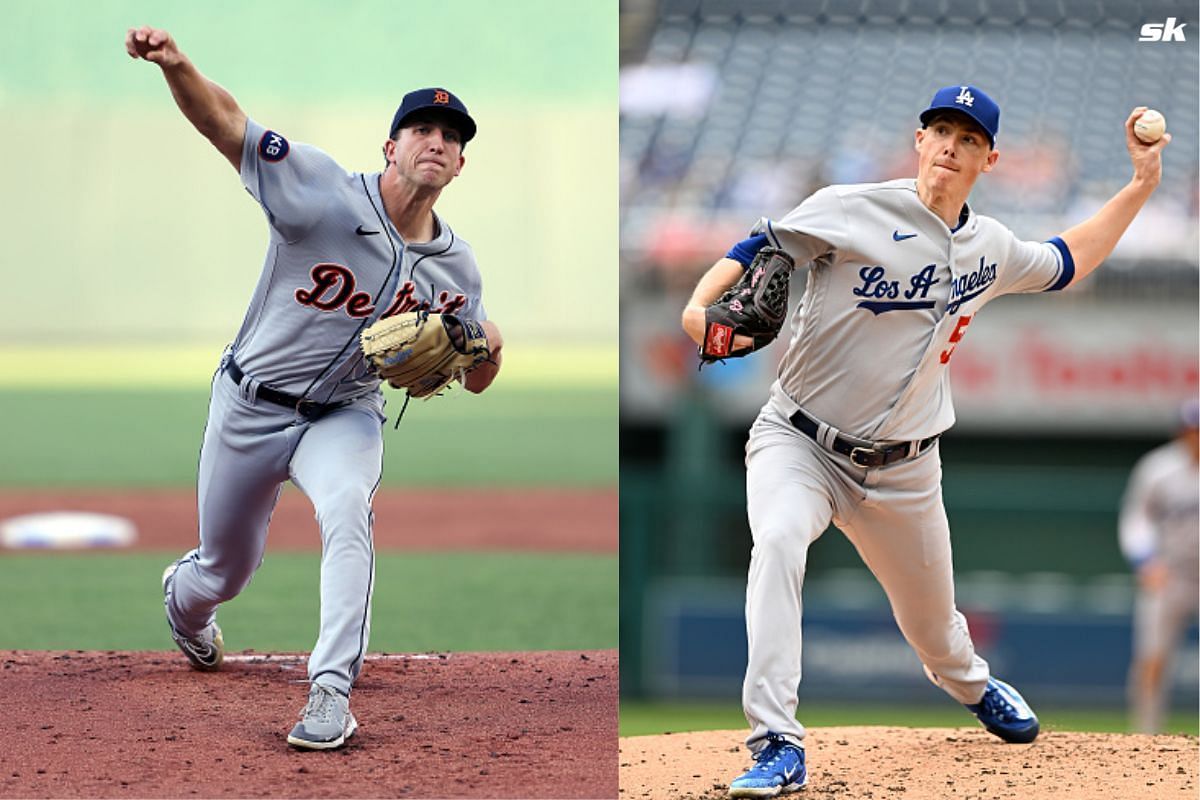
pixel 424 352
pixel 754 307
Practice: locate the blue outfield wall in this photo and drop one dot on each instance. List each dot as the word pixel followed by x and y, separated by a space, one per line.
pixel 695 646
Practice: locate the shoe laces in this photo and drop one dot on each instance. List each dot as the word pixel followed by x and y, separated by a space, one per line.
pixel 995 705
pixel 770 755
pixel 321 701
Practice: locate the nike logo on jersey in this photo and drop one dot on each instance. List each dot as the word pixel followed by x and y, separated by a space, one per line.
pixel 359 230
pixel 900 237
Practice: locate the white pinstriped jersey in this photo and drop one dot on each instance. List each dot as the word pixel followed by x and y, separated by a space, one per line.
pixel 891 291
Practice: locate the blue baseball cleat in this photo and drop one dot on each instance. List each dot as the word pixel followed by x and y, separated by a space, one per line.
pixel 778 768
pixel 1005 713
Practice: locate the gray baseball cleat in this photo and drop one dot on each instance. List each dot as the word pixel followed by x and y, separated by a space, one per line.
pixel 326 722
pixel 206 650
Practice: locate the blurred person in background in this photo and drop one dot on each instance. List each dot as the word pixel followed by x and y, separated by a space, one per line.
pixel 1160 537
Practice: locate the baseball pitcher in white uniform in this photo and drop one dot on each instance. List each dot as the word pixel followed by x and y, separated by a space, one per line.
pixel 1160 538
pixel 849 434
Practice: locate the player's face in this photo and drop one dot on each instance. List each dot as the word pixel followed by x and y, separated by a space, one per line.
pixel 953 152
pixel 427 152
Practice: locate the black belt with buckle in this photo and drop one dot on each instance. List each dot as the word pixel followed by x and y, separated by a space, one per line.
pixel 863 454
pixel 310 409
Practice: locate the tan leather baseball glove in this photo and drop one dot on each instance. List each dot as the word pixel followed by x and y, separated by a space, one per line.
pixel 423 352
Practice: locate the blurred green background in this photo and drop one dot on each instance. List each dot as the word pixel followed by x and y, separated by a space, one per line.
pixel 131 251
pixel 122 219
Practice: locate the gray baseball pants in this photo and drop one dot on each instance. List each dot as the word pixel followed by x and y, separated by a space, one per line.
pixel 895 519
pixel 251 446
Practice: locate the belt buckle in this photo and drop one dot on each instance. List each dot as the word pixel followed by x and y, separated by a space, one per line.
pixel 308 408
pixel 854 456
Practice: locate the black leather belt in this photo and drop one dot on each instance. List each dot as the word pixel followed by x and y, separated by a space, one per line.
pixel 302 406
pixel 860 453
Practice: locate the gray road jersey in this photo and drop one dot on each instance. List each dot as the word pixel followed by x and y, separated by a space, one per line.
pixel 891 291
pixel 1160 513
pixel 334 264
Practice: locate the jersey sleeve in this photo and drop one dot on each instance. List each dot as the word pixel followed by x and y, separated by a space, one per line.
pixel 1136 529
pixel 810 230
pixel 472 286
pixel 1034 266
pixel 292 182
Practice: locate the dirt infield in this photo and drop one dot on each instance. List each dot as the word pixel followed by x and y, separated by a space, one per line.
pixel 470 725
pixel 478 519
pixel 924 764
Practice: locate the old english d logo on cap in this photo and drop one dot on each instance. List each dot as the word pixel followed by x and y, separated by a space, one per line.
pixel 435 98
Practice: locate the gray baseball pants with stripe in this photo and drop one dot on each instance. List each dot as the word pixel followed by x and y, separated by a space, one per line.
pixel 251 447
pixel 895 519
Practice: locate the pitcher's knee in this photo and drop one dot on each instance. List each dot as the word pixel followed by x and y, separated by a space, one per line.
pixel 782 545
pixel 343 503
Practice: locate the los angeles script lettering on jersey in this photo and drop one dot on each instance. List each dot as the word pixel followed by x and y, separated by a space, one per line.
pixel 887 295
pixel 333 288
pixel 968 287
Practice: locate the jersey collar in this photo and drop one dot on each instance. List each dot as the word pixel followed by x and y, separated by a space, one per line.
pixel 443 237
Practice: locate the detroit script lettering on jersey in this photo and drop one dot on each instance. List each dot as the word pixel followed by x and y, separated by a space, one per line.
pixel 333 288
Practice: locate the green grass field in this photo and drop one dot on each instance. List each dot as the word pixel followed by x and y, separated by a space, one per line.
pixel 422 602
pixel 647 718
pixel 151 438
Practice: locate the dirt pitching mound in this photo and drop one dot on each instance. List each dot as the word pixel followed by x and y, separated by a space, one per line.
pixel 923 764
pixel 460 725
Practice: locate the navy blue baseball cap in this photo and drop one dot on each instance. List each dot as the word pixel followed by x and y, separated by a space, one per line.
pixel 435 99
pixel 967 100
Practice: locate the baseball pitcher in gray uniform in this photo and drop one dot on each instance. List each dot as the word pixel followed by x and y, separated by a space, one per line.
pixel 293 398
pixel 849 434
pixel 1160 537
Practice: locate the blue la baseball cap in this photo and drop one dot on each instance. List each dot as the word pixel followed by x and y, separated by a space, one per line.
pixel 439 99
pixel 968 100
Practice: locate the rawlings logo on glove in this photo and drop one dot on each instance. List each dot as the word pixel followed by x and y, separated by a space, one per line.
pixel 755 307
pixel 423 352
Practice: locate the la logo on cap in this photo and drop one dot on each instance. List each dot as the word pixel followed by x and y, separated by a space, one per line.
pixel 441 96
pixel 964 98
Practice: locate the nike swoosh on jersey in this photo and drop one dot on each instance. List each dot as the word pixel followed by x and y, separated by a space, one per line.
pixel 900 237
pixel 359 230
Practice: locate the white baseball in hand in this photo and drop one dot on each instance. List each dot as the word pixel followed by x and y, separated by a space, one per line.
pixel 1150 126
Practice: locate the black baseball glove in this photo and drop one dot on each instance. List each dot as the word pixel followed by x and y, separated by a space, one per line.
pixel 755 306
